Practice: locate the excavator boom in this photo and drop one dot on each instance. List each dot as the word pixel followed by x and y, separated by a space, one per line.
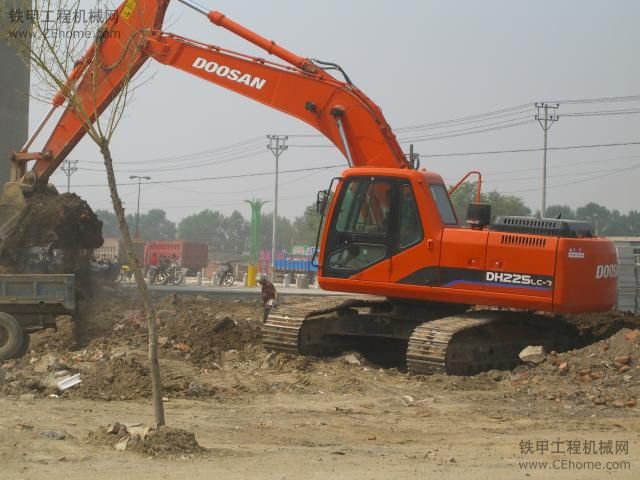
pixel 303 89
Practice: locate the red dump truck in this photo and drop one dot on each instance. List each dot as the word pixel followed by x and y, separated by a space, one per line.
pixel 193 256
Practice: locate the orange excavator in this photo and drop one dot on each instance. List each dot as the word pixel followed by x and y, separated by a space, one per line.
pixel 442 296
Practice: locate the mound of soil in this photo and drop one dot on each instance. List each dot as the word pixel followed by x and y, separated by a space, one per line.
pixel 60 221
pixel 200 332
pixel 116 379
pixel 167 442
pixel 599 326
pixel 604 373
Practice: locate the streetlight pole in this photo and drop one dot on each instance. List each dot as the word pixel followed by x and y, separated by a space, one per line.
pixel 140 179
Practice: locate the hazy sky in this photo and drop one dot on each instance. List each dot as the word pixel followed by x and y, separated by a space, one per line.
pixel 421 62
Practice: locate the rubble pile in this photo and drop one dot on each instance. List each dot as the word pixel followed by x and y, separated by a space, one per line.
pixel 201 332
pixel 605 373
pixel 164 442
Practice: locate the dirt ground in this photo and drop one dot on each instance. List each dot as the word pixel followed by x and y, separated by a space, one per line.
pixel 261 415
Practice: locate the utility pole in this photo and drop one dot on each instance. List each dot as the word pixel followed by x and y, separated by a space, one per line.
pixel 277 145
pixel 414 158
pixel 546 116
pixel 69 168
pixel 140 179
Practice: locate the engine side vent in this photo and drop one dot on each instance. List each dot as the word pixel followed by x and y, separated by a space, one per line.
pixel 523 241
pixel 549 227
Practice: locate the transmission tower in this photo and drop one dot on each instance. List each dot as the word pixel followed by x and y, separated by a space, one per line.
pixel 69 168
pixel 277 145
pixel 546 116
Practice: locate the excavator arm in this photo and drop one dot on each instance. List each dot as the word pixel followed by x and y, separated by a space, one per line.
pixel 303 89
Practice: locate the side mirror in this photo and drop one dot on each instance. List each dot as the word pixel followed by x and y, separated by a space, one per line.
pixel 478 215
pixel 321 201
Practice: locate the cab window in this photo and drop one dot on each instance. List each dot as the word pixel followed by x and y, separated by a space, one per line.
pixel 365 208
pixel 441 197
pixel 409 225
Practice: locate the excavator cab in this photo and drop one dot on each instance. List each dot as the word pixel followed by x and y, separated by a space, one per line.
pixel 394 233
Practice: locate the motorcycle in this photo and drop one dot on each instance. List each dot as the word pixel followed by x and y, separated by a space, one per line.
pixel 105 270
pixel 175 274
pixel 158 275
pixel 223 278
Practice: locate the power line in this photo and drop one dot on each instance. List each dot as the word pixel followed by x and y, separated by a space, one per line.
pixel 627 98
pixel 252 152
pixel 601 113
pixel 596 177
pixel 505 112
pixel 222 177
pixel 469 131
pixel 487 177
pixel 525 150
pixel 559 165
pixel 225 150
pixel 236 192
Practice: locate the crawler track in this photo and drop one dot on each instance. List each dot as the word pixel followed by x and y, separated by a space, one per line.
pixel 458 344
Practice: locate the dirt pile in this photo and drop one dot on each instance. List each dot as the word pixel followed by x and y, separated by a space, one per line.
pixel 598 326
pixel 200 332
pixel 166 442
pixel 605 373
pixel 116 379
pixel 64 222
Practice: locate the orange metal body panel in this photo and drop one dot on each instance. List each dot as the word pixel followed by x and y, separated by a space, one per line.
pixel 522 253
pixel 586 277
pixel 464 249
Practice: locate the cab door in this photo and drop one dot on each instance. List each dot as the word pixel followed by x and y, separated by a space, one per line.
pixel 416 248
pixel 360 241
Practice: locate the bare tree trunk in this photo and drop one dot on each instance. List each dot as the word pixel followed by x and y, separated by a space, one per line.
pixel 156 382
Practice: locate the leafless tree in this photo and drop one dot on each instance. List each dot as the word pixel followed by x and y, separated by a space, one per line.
pixel 52 47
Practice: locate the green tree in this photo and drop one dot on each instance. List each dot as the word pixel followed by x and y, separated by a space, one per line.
pixel 109 223
pixel 505 204
pixel 500 204
pixel 633 223
pixel 598 215
pixel 565 212
pixel 285 232
pixel 154 225
pixel 235 230
pixel 305 228
pixel 462 197
pixel 203 227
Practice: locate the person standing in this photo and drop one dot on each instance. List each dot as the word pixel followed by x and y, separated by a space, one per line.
pixel 269 296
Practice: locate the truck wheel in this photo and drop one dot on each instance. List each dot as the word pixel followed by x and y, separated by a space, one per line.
pixel 12 337
pixel 25 346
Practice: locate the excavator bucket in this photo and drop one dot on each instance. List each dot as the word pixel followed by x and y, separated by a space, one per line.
pixel 43 218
